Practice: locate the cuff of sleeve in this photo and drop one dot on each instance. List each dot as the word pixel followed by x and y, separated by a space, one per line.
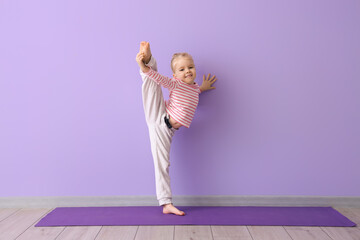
pixel 151 62
pixel 143 73
pixel 148 72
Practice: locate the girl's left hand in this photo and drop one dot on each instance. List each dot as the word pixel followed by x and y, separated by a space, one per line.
pixel 206 85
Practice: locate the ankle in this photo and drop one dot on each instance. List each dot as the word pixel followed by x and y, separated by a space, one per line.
pixel 147 60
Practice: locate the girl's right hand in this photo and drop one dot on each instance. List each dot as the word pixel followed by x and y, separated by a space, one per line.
pixel 139 60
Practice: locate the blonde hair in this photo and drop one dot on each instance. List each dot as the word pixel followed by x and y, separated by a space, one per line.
pixel 178 55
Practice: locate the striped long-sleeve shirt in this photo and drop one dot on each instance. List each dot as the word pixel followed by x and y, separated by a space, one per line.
pixel 183 98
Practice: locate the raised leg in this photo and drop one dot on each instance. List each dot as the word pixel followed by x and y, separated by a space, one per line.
pixel 153 99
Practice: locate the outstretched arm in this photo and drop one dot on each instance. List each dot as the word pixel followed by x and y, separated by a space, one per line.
pixel 206 85
pixel 160 79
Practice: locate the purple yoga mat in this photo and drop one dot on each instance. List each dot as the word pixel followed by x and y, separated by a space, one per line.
pixel 195 215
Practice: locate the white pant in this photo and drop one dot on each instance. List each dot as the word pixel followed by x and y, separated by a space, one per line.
pixel 160 134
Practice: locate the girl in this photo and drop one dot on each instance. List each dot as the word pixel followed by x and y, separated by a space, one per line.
pixel 164 118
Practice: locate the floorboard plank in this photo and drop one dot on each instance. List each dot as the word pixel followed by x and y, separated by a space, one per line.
pixel 79 232
pixel 6 212
pixel 195 232
pixel 306 233
pixel 117 233
pixel 268 233
pixel 155 232
pixel 17 223
pixel 343 233
pixel 41 233
pixel 230 232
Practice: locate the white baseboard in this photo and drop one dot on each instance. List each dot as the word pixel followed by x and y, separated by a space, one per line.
pixel 205 200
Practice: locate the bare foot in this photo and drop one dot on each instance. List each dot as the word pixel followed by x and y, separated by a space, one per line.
pixel 145 48
pixel 169 208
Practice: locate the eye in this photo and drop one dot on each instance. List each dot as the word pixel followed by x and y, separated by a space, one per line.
pixel 181 69
pixel 191 67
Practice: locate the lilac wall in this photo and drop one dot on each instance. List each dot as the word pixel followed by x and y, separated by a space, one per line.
pixel 283 120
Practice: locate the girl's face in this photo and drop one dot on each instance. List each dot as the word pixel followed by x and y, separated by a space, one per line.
pixel 185 70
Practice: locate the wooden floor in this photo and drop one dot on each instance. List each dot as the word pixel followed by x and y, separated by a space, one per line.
pixel 19 224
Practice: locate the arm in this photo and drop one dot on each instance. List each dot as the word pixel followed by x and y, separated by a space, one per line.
pixel 160 79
